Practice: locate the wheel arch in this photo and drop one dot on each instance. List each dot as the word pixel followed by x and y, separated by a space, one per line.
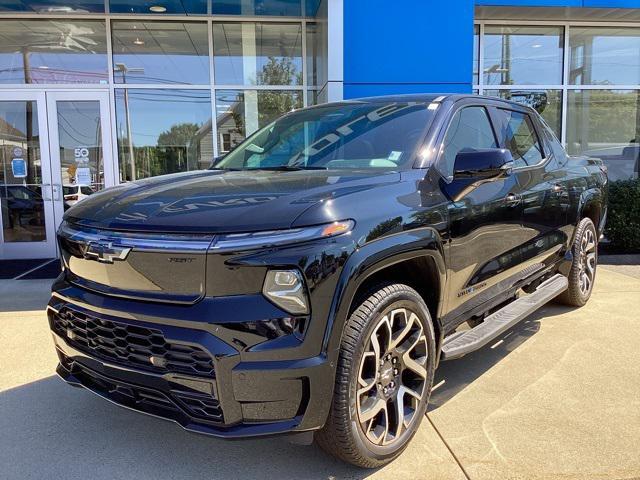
pixel 591 205
pixel 400 258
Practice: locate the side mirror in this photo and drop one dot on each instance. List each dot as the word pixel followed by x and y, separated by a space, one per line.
pixel 486 164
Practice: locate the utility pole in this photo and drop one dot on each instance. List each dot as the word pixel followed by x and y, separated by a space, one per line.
pixel 121 67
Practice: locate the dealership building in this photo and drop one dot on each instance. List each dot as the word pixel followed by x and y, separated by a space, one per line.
pixel 94 93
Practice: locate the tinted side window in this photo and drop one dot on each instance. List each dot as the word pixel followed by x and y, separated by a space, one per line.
pixel 470 129
pixel 520 138
pixel 556 147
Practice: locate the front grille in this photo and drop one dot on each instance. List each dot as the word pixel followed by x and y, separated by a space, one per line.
pixel 130 345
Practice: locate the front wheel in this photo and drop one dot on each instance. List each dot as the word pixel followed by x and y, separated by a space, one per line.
pixel 384 378
pixel 583 269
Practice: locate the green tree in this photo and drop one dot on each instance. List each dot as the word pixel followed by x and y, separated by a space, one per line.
pixel 179 135
pixel 179 152
pixel 272 104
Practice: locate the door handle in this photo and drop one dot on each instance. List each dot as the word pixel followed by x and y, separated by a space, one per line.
pixel 512 199
pixel 47 194
pixel 55 191
pixel 559 190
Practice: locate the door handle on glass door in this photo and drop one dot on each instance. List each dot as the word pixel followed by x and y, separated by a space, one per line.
pixel 55 191
pixel 45 188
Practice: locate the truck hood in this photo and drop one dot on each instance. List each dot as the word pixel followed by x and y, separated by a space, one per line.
pixel 214 201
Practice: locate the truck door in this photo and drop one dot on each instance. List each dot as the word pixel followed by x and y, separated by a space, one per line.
pixel 485 229
pixel 543 189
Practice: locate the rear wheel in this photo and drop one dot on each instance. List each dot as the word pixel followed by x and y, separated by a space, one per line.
pixel 583 269
pixel 384 378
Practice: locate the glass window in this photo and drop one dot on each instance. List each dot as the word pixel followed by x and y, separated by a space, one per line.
pixel 606 124
pixel 283 8
pixel 163 131
pixel 53 6
pixel 81 155
pixel 53 51
pixel 313 97
pixel 316 56
pixel 180 7
pixel 160 52
pixel 257 53
pixel 522 55
pixel 554 146
pixel 548 103
pixel 470 129
pixel 520 138
pixel 239 113
pixel 21 202
pixel 476 54
pixel 601 56
pixel 355 136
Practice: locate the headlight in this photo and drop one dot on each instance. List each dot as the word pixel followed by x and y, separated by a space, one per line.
pixel 286 289
pixel 241 241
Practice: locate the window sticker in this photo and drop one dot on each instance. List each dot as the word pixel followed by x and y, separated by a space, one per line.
pixel 19 168
pixel 394 156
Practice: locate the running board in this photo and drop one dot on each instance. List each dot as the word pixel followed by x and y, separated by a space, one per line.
pixel 497 323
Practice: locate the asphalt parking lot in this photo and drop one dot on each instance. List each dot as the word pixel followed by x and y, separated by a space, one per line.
pixel 556 397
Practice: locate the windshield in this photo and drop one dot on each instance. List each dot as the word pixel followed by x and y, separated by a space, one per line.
pixel 345 136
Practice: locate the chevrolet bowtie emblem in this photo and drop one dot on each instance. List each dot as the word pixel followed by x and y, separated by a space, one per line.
pixel 105 252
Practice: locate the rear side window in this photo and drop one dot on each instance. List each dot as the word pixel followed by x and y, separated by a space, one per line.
pixel 470 129
pixel 520 138
pixel 556 146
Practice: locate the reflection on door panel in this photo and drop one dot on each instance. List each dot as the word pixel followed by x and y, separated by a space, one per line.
pixel 21 201
pixel 81 156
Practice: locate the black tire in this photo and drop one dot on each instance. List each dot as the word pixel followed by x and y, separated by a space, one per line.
pixel 344 436
pixel 583 267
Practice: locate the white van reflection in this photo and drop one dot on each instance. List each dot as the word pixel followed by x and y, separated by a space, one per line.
pixel 74 193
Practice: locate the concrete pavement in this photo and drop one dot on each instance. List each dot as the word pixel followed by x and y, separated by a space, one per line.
pixel 557 397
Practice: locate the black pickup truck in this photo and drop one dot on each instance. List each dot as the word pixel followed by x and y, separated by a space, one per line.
pixel 311 281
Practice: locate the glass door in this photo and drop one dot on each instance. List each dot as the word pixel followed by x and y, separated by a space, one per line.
pixel 27 217
pixel 81 159
pixel 55 151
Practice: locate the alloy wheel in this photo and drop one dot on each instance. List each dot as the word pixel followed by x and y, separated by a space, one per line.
pixel 392 376
pixel 587 262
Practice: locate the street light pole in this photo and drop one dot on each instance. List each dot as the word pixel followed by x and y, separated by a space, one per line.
pixel 123 68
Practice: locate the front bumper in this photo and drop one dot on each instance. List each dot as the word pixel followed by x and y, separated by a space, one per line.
pixel 274 387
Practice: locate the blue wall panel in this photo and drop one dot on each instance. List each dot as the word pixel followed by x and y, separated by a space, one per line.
pixel 407 46
pixel 356 90
pixel 612 3
pixel 532 3
pixel 563 3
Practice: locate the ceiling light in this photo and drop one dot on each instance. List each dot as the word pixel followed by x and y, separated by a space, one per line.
pixel 157 9
pixel 536 45
pixel 137 41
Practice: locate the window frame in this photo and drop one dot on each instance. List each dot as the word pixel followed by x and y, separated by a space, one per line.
pixel 306 89
pixel 533 121
pixel 446 125
pixel 565 86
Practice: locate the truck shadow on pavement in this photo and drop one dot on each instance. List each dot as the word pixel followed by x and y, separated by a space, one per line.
pixel 51 430
pixel 454 375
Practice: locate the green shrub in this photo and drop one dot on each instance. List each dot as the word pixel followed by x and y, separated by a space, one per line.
pixel 623 223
